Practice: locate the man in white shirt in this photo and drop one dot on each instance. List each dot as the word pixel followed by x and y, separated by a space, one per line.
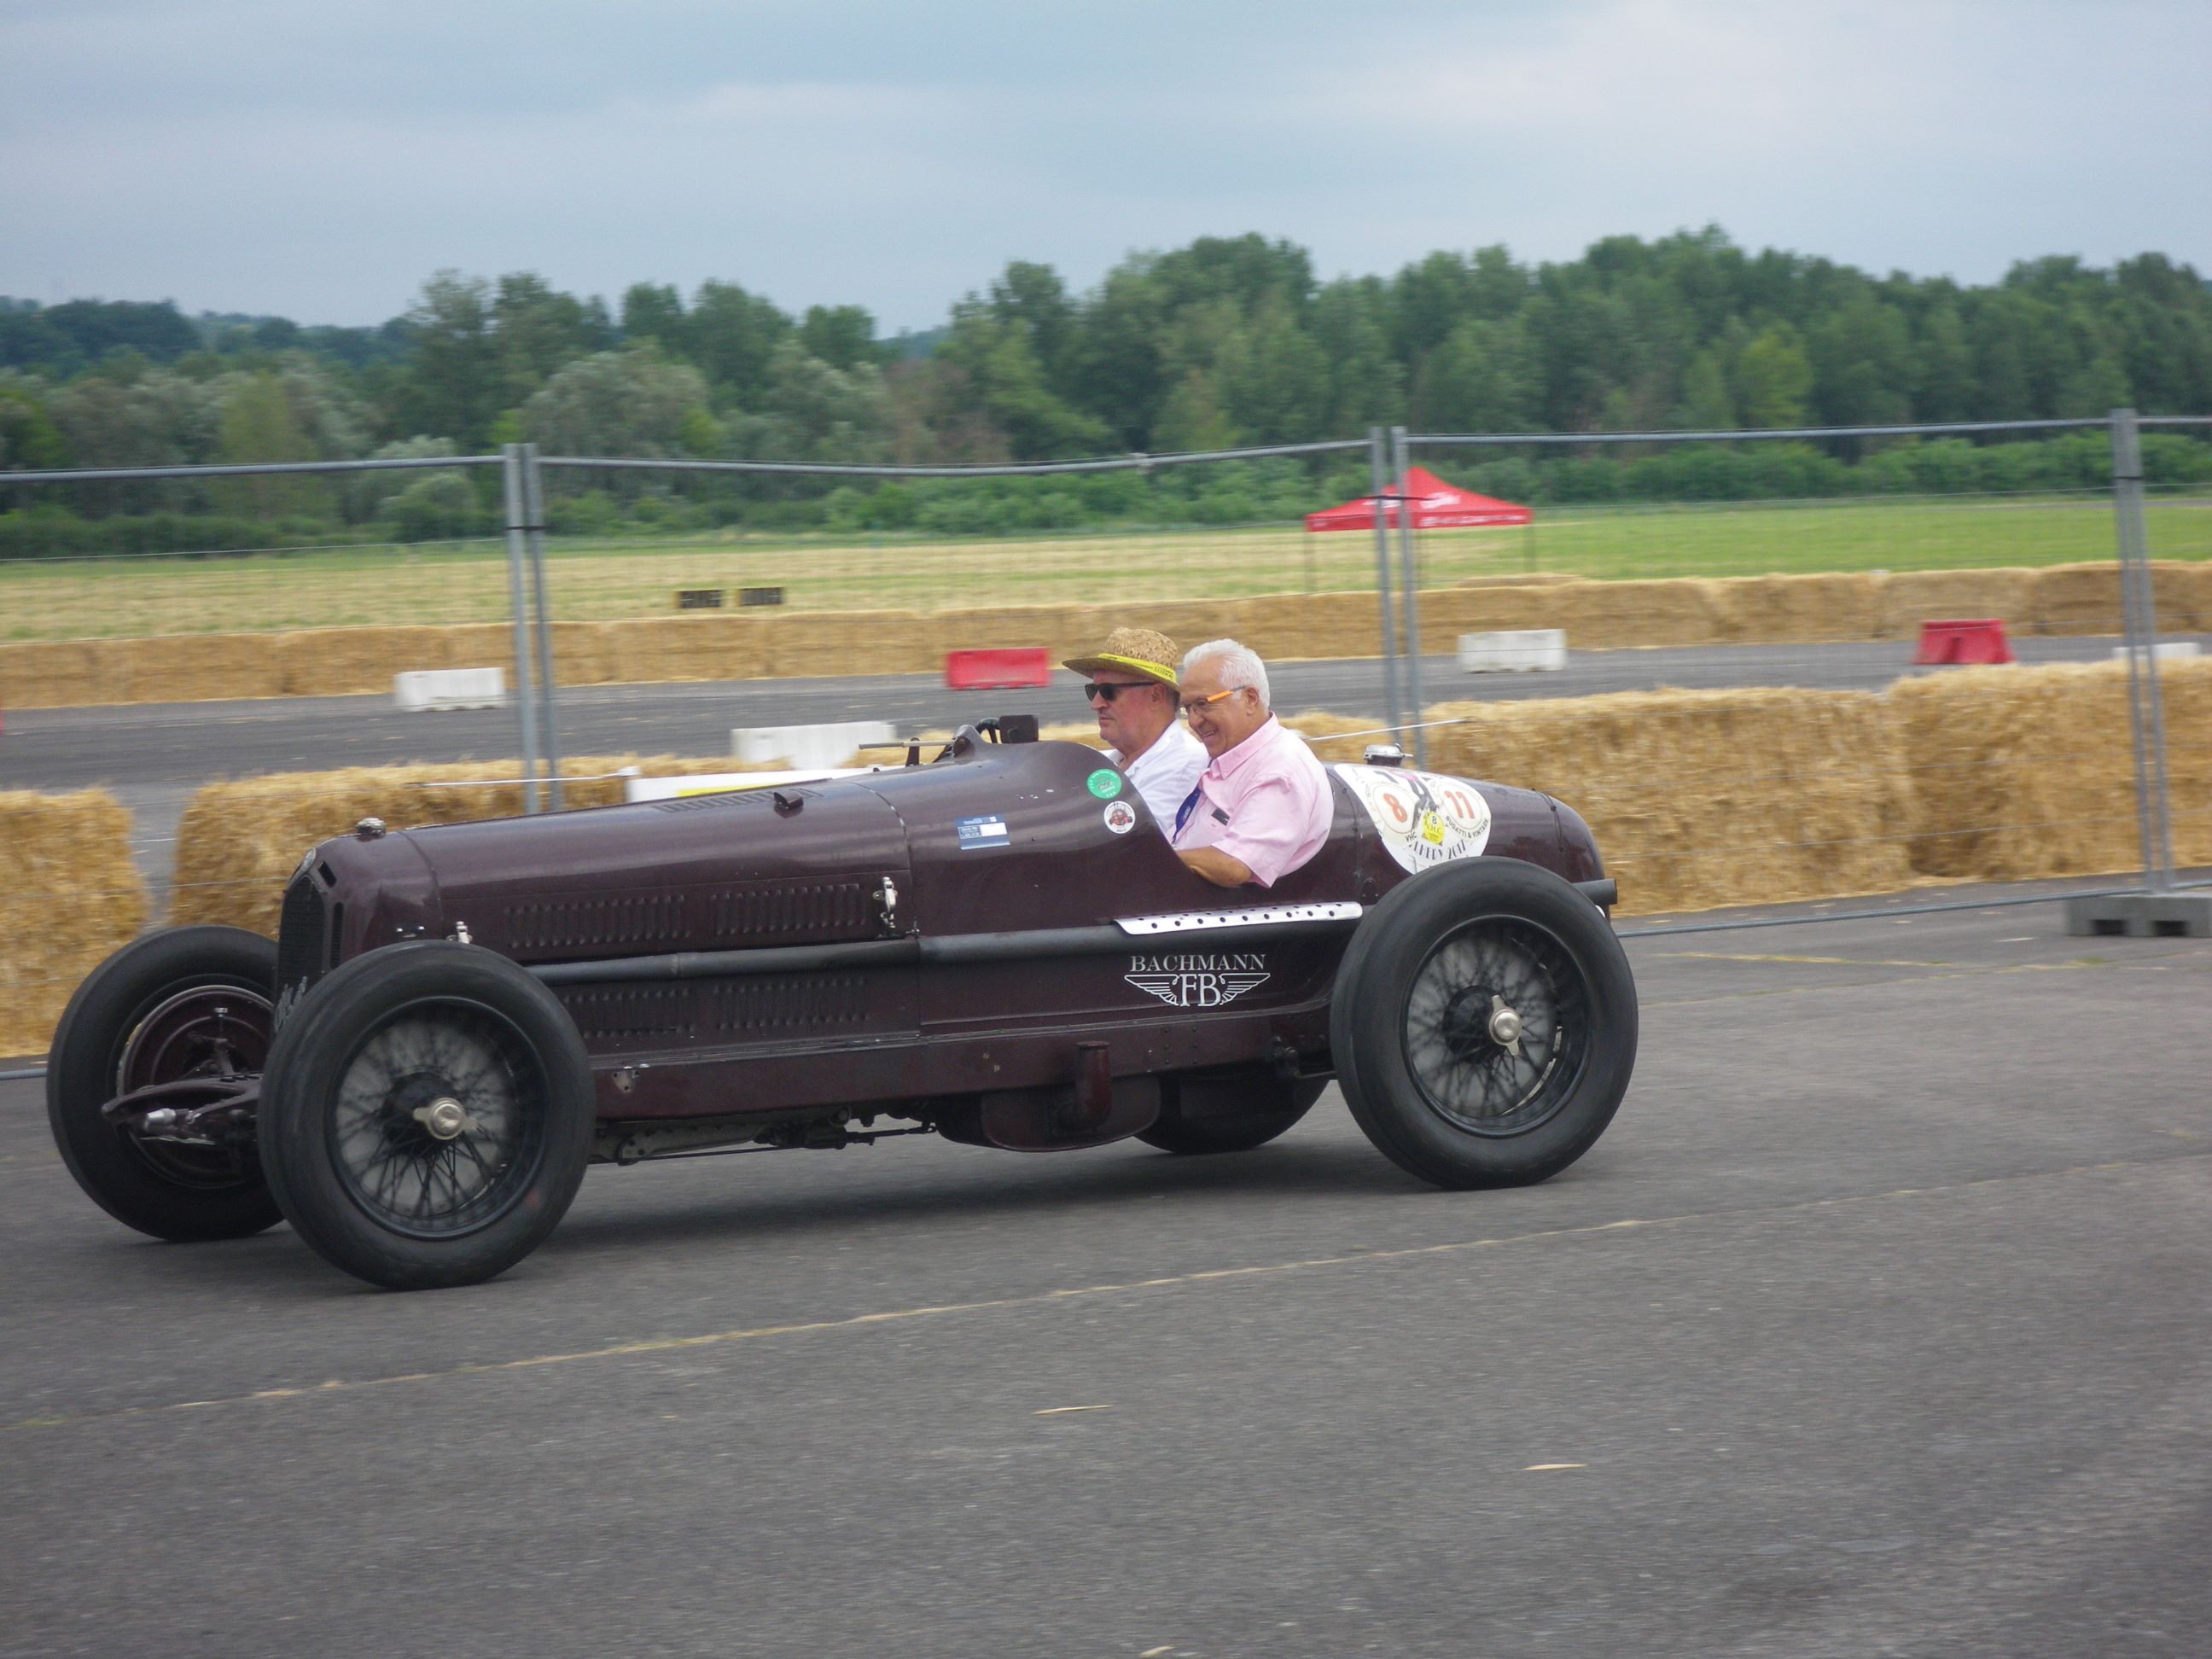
pixel 1132 689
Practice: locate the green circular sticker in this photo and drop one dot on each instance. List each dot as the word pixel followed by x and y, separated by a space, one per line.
pixel 1105 784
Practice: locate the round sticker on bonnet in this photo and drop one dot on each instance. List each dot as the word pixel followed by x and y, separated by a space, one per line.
pixel 1424 819
pixel 1120 817
pixel 1105 783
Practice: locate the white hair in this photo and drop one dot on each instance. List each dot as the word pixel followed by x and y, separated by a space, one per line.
pixel 1240 662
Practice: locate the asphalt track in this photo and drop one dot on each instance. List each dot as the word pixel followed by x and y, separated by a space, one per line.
pixel 1875 1325
pixel 154 755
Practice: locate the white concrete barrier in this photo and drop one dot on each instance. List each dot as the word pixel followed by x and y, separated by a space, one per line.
pixel 2164 651
pixel 635 788
pixel 450 688
pixel 808 747
pixel 1516 650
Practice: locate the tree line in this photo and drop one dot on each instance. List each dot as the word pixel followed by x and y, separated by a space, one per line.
pixel 1229 341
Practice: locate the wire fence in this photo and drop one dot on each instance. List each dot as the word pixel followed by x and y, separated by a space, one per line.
pixel 581 571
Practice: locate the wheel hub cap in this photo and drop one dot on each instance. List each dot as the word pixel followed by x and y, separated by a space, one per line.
pixel 444 1117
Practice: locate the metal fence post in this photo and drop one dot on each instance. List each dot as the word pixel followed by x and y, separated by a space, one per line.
pixel 2139 614
pixel 1379 470
pixel 534 494
pixel 1410 595
pixel 518 555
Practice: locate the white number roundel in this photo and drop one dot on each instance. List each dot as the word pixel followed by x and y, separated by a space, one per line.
pixel 1422 818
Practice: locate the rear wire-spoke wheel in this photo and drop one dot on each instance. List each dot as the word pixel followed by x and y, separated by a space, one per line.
pixel 1483 1025
pixel 183 1005
pixel 426 1115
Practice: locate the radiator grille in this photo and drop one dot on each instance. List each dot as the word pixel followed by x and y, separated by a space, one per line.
pixel 302 937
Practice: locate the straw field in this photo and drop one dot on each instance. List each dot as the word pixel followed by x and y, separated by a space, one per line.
pixel 451 584
pixel 68 896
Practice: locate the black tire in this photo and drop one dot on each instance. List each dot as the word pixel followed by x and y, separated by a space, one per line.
pixel 146 1015
pixel 1413 1031
pixel 1231 1115
pixel 359 1158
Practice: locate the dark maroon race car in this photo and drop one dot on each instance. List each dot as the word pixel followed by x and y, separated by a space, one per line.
pixel 998 946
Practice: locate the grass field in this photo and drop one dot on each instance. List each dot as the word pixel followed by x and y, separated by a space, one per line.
pixel 468 582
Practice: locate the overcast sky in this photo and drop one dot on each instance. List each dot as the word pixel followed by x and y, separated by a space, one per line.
pixel 318 158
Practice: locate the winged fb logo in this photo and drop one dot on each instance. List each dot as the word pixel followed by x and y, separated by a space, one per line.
pixel 1197 981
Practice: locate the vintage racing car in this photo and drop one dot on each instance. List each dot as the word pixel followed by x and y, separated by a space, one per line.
pixel 998 946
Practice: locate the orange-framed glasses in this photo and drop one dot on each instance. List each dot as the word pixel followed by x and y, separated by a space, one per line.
pixel 1194 704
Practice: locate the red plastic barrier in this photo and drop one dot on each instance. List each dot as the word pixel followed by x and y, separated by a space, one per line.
pixel 997 669
pixel 1980 640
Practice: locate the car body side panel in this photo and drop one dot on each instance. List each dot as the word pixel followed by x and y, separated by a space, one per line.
pixel 993 839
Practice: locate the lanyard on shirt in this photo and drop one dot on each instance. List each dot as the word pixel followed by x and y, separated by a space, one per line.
pixel 1189 805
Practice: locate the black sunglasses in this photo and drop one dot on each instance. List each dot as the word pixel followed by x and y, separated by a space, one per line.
pixel 1107 690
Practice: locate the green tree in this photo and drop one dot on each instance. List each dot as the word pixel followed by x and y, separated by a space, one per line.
pixel 653 310
pixel 632 403
pixel 29 440
pixel 1480 379
pixel 1707 403
pixel 1774 378
pixel 449 387
pixel 1273 379
pixel 1192 419
pixel 733 335
pixel 259 424
pixel 843 337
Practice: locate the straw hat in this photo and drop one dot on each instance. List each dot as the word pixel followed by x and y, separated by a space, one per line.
pixel 1135 651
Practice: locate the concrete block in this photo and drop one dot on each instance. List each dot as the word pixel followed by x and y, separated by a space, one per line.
pixel 2140 915
pixel 2164 651
pixel 808 747
pixel 1516 650
pixel 450 688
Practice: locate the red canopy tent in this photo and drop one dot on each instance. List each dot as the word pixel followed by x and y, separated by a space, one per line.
pixel 1436 506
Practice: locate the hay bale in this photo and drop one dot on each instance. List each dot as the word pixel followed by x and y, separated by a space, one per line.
pixel 1601 616
pixel 1794 610
pixel 1294 627
pixel 69 895
pixel 1448 612
pixel 819 643
pixel 690 647
pixel 1907 599
pixel 337 662
pixel 2022 773
pixel 198 668
pixel 2183 594
pixel 2077 598
pixel 1698 798
pixel 60 674
pixel 1006 627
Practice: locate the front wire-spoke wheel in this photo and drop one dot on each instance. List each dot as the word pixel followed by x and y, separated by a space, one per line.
pixel 1483 1024
pixel 1497 1026
pixel 426 1115
pixel 438 1119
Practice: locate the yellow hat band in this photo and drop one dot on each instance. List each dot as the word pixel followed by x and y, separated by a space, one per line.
pixel 1160 669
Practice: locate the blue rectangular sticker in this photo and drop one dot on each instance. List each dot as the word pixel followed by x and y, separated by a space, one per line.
pixel 976 833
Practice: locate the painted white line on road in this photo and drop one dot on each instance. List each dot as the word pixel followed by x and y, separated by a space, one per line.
pixel 1046 1299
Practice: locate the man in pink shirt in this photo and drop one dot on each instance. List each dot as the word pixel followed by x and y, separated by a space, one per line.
pixel 1263 806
